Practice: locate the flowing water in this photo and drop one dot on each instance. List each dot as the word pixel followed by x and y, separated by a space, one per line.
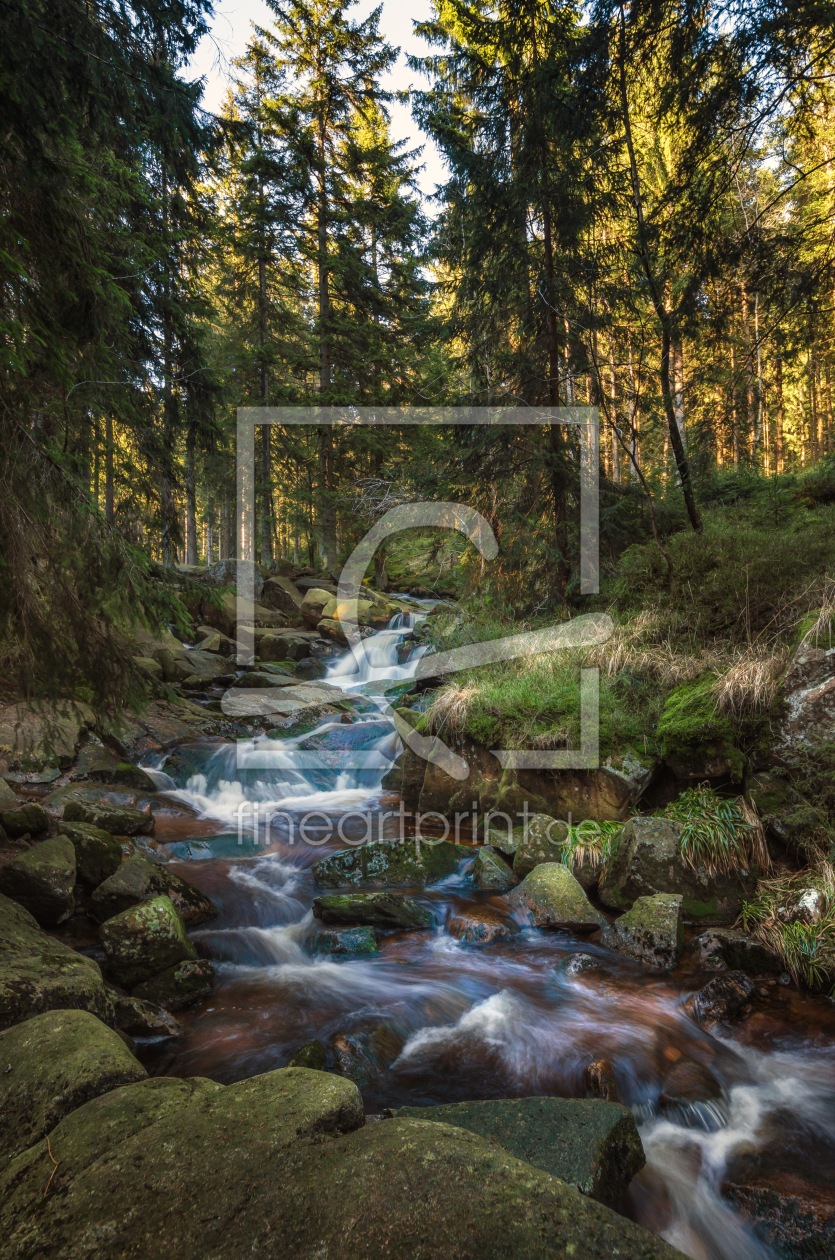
pixel 435 1021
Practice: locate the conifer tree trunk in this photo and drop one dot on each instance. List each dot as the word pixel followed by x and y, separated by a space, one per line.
pixel 780 452
pixel 191 499
pixel 109 511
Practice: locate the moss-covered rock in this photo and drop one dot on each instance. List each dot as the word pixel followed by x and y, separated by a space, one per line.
pixel 652 932
pixel 479 925
pixel 38 973
pixel 31 819
pixel 145 940
pixel 97 764
pixel 138 1018
pixel 349 942
pixel 50 1065
pixel 118 820
pixel 364 1054
pixel 697 740
pixel 721 999
pixel 383 910
pixel 42 880
pixel 492 872
pixel 180 985
pixel 541 840
pixel 550 896
pixel 646 859
pixel 312 1055
pixel 722 949
pixel 97 854
pixel 389 864
pixel 138 879
pixel 587 1143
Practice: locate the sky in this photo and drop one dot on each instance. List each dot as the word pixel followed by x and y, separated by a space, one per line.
pixel 230 31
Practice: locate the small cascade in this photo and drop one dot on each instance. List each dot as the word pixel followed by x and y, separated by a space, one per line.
pixel 378 658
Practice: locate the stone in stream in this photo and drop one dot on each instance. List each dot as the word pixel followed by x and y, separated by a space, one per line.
pixel 380 909
pixel 389 864
pixel 651 932
pixel 550 896
pixel 347 941
pixel 540 841
pixel 29 819
pixel 292 1132
pixel 143 941
pixel 721 999
pixel 691 1090
pixel 646 859
pixel 791 1207
pixel 599 1080
pixel 722 949
pixel 138 1018
pixel 98 854
pixel 180 985
pixel 50 1065
pixel 364 1055
pixel 492 872
pixel 138 879
pixel 42 880
pixel 38 973
pixel 479 925
pixel 311 1055
pixel 97 764
pixel 587 1143
pixel 308 668
pixel 118 820
pixel 575 964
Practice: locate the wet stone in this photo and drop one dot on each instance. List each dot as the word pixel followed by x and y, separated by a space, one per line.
pixel 30 819
pixel 599 1080
pixel 651 932
pixel 479 925
pixel 575 964
pixel 383 910
pixel 145 940
pixel 98 854
pixel 313 1055
pixel 42 880
pixel 349 942
pixel 491 872
pixel 550 896
pixel 541 840
pixel 365 1055
pixel 389 864
pixel 723 949
pixel 118 820
pixel 723 998
pixel 181 985
pixel 139 879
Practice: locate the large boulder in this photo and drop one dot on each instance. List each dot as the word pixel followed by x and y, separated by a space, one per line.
pixel 540 840
pixel 383 910
pixel 491 872
pixel 311 607
pixel 29 819
pixel 283 595
pixel 139 879
pixel 97 764
pixel 808 716
pixel 244 575
pixel 550 896
pixel 118 820
pixel 42 880
pixel 180 985
pixel 586 1143
pixel 145 940
pixel 389 864
pixel 651 932
pixel 138 1018
pixel 38 973
pixel 723 949
pixel 97 853
pixel 402 1188
pixel 52 1064
pixel 42 734
pixel 646 859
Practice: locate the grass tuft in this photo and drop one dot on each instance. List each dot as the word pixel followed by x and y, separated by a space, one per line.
pixel 718 834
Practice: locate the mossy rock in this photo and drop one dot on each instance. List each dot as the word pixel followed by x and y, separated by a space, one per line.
pixel 312 1055
pixel 38 973
pixel 97 854
pixel 138 1018
pixel 118 820
pixel 382 910
pixel 29 819
pixel 645 859
pixel 491 872
pixel 697 741
pixel 550 896
pixel 180 985
pixel 736 952
pixel 52 1064
pixel 390 865
pixel 348 942
pixel 42 880
pixel 652 932
pixel 138 879
pixel 541 840
pixel 145 940
pixel 587 1143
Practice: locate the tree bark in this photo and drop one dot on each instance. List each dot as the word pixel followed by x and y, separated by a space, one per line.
pixel 191 499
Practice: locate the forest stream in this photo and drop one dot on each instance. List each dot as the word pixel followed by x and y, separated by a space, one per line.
pixel 434 1020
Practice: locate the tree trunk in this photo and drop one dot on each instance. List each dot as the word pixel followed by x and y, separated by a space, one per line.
pixel 109 510
pixel 734 408
pixel 829 434
pixel 191 499
pixel 750 395
pixel 779 436
pixel 678 380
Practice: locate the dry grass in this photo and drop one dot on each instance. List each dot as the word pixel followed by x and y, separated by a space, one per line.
pixel 751 683
pixel 448 712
